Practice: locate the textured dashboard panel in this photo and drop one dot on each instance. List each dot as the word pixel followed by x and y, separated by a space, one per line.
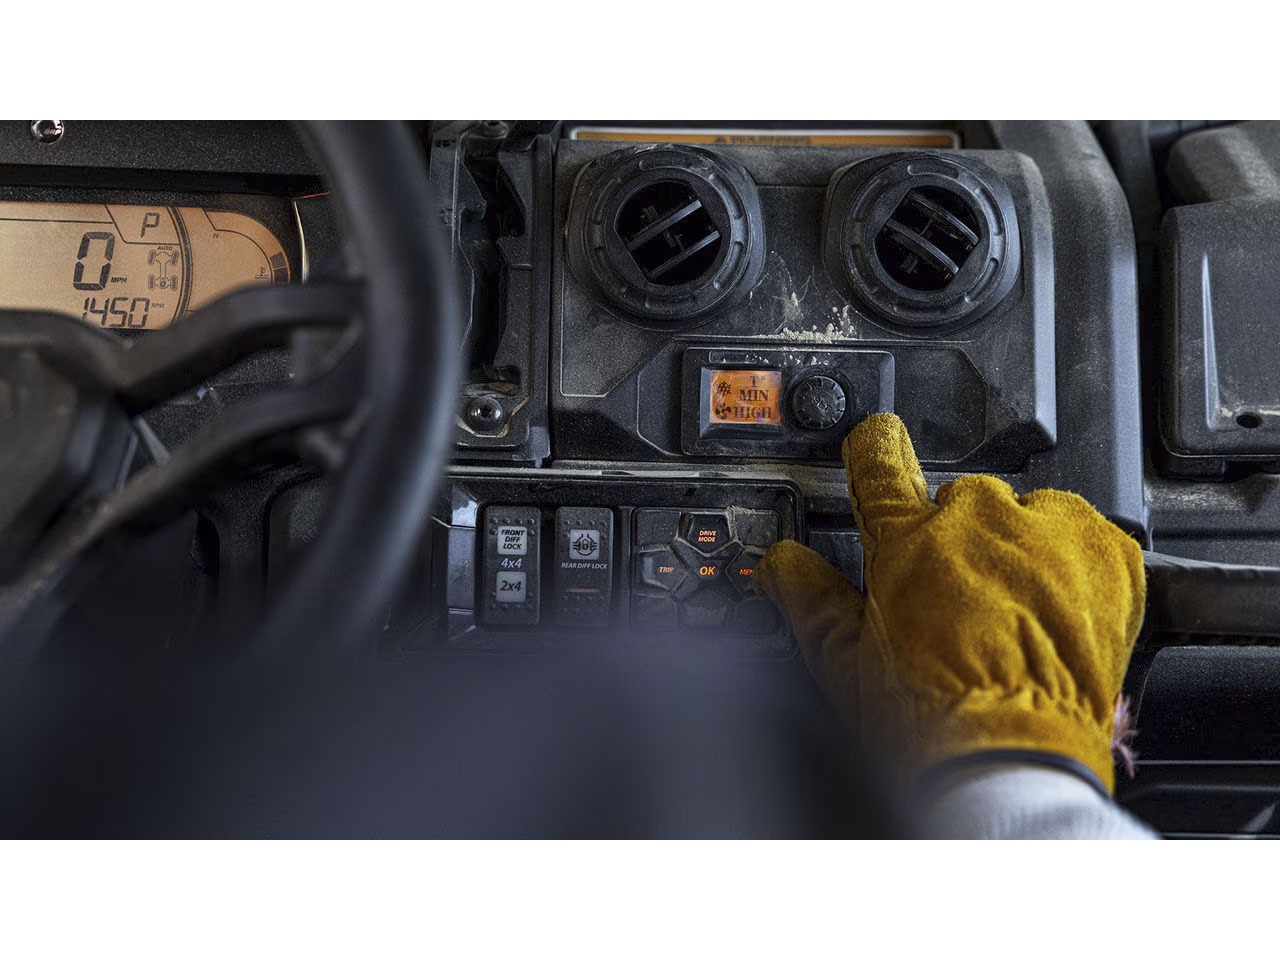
pixel 980 397
pixel 216 146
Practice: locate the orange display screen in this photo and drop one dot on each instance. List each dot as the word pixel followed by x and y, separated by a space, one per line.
pixel 745 396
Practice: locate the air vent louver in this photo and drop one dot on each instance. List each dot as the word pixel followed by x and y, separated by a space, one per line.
pixel 924 240
pixel 668 233
pixel 927 239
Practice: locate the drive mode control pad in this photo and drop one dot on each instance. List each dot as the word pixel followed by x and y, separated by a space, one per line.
pixel 693 571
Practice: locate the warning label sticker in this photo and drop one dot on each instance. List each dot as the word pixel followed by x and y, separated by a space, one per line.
pixel 921 137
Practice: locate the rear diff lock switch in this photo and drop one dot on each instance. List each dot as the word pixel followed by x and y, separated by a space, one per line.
pixel 584 566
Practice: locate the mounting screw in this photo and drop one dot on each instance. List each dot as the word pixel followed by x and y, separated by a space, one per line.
pixel 485 413
pixel 47 131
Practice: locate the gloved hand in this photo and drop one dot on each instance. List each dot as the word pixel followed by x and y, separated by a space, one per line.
pixel 991 621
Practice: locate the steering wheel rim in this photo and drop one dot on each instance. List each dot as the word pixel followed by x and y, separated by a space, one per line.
pixel 384 495
pixel 401 384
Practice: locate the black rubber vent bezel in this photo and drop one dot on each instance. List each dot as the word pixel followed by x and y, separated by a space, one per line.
pixel 727 201
pixel 864 200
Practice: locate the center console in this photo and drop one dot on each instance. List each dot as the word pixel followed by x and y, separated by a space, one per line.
pixel 671 332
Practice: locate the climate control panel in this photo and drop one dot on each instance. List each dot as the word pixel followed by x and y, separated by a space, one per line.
pixel 728 302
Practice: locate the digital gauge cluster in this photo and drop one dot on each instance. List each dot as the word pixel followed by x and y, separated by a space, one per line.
pixel 130 266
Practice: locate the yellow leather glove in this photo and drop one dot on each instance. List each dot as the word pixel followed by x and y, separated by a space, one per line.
pixel 991 621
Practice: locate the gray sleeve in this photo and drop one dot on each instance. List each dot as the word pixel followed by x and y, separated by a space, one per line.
pixel 1027 802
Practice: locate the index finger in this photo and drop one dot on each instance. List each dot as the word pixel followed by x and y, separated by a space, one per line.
pixel 886 483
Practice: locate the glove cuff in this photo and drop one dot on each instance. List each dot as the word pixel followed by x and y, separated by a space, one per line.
pixel 1010 724
pixel 933 780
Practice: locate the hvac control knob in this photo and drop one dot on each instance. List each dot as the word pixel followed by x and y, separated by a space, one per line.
pixel 818 403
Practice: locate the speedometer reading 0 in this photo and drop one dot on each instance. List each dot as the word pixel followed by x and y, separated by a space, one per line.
pixel 129 266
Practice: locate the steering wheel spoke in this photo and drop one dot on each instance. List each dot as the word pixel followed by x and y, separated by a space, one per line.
pixel 144 372
pixel 105 372
pixel 274 428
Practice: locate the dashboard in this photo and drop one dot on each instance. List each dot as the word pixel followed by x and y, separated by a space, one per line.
pixel 670 328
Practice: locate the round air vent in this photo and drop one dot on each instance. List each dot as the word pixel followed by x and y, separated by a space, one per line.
pixel 667 233
pixel 925 241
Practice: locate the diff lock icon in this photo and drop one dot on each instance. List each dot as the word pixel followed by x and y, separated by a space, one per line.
pixel 584 544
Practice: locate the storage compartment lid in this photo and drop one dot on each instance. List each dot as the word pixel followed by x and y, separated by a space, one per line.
pixel 1220 397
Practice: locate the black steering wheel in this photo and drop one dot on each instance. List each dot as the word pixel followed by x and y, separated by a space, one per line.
pixel 383 404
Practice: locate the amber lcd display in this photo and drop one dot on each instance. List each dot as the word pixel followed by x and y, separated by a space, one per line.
pixel 745 396
pixel 130 266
